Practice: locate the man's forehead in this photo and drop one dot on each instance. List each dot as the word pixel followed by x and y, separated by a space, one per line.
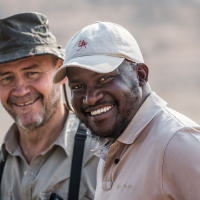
pixel 78 74
pixel 17 65
pixel 13 63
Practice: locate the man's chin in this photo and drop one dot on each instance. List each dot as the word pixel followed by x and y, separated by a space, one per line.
pixel 101 135
pixel 29 125
pixel 114 131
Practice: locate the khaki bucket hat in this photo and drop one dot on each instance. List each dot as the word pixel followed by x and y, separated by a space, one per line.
pixel 27 34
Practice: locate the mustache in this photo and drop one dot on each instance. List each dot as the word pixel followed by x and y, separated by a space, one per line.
pixel 27 97
pixel 98 103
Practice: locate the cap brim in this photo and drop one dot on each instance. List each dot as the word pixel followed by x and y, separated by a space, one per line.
pixel 96 63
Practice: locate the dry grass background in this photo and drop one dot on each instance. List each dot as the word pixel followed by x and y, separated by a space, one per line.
pixel 167 32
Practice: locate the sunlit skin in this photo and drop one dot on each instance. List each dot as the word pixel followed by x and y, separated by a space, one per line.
pixel 30 97
pixel 106 103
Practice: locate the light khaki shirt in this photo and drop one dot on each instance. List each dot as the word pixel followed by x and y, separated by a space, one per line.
pixel 48 172
pixel 159 157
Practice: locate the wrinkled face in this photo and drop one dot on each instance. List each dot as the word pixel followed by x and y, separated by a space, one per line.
pixel 106 103
pixel 27 91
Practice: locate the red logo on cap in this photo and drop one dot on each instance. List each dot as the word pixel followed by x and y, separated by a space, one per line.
pixel 81 44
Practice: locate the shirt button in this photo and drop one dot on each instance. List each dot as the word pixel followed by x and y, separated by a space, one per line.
pixel 107 185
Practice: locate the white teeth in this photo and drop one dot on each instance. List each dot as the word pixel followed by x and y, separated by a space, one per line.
pixel 101 110
pixel 29 102
pixel 25 104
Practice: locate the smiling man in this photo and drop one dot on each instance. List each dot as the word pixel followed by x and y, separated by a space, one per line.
pixel 38 147
pixel 148 151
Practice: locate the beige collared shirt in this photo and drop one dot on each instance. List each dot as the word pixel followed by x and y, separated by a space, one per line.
pixel 158 154
pixel 48 172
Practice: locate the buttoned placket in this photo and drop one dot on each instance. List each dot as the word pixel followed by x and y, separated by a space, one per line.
pixel 116 151
pixel 29 176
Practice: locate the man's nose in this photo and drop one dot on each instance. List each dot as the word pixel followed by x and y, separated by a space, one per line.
pixel 20 87
pixel 92 96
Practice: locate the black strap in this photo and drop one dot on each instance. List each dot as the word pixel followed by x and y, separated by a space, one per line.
pixel 2 165
pixel 76 165
pixel 77 159
pixel 65 95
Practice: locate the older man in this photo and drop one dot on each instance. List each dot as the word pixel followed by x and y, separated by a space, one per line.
pixel 39 145
pixel 147 150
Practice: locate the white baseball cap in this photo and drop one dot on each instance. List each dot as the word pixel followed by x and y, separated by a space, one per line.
pixel 100 47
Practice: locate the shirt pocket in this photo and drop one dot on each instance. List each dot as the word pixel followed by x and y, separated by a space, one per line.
pixel 45 195
pixel 7 196
pixel 85 198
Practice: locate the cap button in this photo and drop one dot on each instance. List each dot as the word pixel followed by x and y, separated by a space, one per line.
pixel 98 22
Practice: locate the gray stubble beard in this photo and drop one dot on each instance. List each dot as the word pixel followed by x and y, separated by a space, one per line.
pixel 44 115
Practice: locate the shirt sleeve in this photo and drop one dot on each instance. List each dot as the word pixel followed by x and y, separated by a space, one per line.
pixel 181 166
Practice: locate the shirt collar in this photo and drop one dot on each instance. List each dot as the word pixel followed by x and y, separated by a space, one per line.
pixel 11 140
pixel 148 110
pixel 65 140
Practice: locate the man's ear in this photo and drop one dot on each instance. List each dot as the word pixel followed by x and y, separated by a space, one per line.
pixel 64 80
pixel 59 64
pixel 142 74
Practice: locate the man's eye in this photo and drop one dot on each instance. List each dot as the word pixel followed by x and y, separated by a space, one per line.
pixel 6 79
pixel 105 79
pixel 77 87
pixel 32 73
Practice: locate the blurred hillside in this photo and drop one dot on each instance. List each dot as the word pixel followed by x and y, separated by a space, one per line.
pixel 167 32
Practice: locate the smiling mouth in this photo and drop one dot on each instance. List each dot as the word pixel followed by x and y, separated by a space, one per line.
pixel 26 103
pixel 101 110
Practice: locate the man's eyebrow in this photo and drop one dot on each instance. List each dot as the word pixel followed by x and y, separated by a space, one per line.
pixel 74 81
pixel 23 69
pixel 30 67
pixel 4 73
pixel 79 80
pixel 96 74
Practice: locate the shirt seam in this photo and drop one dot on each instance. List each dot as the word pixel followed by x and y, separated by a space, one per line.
pixel 173 116
pixel 164 159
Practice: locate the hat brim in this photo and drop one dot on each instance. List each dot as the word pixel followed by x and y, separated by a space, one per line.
pixel 96 63
pixel 28 51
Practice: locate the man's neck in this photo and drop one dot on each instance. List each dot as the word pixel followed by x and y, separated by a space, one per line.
pixel 37 141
